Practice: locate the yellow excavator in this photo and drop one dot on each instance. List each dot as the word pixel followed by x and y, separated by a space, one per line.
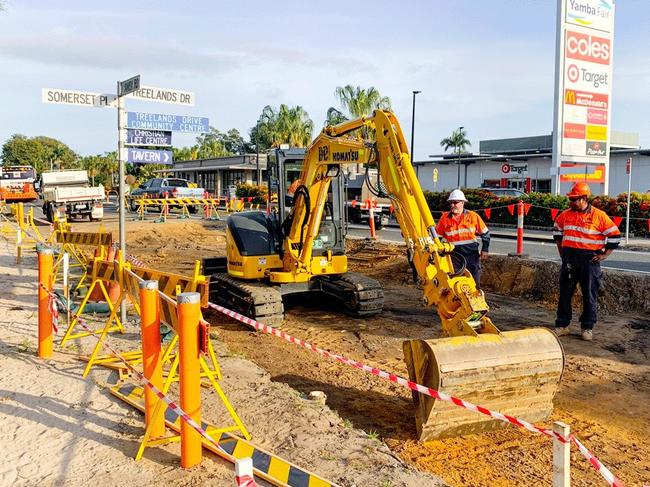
pixel 299 247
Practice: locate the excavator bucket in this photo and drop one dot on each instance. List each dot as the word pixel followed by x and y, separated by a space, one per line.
pixel 514 372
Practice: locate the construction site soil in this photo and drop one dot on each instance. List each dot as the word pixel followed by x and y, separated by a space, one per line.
pixel 603 395
pixel 604 392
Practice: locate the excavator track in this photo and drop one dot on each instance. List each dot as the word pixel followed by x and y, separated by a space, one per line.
pixel 360 295
pixel 253 299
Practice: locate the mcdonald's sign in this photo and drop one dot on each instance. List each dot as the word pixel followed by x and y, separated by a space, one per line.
pixel 570 97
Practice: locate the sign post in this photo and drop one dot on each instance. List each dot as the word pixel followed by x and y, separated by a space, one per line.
pixel 122 175
pixel 628 167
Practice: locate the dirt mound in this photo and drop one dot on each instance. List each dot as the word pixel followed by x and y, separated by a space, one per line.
pixel 602 395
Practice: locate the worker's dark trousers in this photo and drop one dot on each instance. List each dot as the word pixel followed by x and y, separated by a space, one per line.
pixel 577 268
pixel 473 262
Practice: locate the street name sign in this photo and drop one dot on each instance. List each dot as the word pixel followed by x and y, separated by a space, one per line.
pixel 174 123
pixel 79 98
pixel 164 95
pixel 149 156
pixel 129 86
pixel 160 138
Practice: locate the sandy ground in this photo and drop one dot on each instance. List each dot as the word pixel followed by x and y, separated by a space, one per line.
pixel 603 394
pixel 61 429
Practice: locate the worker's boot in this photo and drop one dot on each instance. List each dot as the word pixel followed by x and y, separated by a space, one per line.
pixel 561 330
pixel 587 335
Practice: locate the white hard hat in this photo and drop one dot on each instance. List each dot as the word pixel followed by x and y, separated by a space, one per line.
pixel 457 195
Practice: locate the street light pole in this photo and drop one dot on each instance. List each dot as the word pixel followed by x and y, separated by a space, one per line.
pixel 460 131
pixel 413 124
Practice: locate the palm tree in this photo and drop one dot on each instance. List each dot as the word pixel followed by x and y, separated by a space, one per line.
pixel 57 153
pixel 286 126
pixel 335 116
pixel 360 102
pixel 459 142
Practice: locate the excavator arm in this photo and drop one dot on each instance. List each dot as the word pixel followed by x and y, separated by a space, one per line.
pixel 516 372
pixel 462 308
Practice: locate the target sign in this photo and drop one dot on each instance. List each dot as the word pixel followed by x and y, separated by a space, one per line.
pixel 505 169
pixel 573 73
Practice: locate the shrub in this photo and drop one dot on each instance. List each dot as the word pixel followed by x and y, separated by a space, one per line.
pixel 539 214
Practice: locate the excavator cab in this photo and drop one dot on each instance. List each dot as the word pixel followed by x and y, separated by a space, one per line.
pixel 284 167
pixel 261 268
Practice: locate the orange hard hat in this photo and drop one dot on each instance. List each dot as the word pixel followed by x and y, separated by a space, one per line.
pixel 579 189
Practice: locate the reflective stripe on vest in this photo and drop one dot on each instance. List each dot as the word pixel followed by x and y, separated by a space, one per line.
pixel 589 230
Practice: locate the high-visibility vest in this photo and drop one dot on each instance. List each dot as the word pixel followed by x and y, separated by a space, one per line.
pixel 463 231
pixel 591 229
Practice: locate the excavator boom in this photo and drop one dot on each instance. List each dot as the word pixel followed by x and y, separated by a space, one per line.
pixel 514 372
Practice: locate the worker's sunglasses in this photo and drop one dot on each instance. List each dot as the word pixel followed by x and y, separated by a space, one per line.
pixel 454 202
pixel 575 198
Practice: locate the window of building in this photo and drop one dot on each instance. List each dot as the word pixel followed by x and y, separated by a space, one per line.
pixel 541 185
pixel 233 178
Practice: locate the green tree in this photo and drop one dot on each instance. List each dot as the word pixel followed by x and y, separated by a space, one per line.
pixel 361 102
pixel 459 141
pixel 39 152
pixel 335 116
pixel 287 125
pixel 101 168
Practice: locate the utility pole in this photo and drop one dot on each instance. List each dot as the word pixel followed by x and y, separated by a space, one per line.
pixel 460 132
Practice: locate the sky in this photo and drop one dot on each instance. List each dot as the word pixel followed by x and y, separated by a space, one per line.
pixel 485 65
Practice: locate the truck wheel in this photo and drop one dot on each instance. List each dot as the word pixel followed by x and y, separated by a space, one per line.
pixel 133 206
pixel 192 209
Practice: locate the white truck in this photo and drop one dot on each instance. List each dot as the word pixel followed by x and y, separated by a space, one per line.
pixel 69 194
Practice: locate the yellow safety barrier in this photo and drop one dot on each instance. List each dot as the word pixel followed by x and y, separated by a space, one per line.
pixel 230 441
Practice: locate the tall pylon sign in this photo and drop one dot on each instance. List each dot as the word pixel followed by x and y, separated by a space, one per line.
pixel 583 92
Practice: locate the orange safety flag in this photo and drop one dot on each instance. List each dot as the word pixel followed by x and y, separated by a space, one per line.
pixel 511 209
pixel 554 212
pixel 354 203
pixel 488 212
pixel 527 208
pixel 617 220
pixel 391 209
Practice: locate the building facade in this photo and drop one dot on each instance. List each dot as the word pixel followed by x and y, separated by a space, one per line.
pixel 221 175
pixel 525 163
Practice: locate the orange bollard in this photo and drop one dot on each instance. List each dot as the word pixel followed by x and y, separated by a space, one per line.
pixel 45 265
pixel 371 222
pixel 151 356
pixel 520 228
pixel 189 310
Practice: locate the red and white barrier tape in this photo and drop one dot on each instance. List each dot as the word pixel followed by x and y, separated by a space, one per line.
pixel 598 466
pixel 53 309
pixel 145 382
pixel 244 473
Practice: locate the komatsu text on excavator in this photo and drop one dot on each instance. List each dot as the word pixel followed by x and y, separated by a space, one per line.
pixel 300 247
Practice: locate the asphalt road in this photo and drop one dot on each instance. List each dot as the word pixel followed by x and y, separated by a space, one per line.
pixel 637 261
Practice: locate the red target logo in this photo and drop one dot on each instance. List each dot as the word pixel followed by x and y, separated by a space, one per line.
pixel 573 73
pixel 505 169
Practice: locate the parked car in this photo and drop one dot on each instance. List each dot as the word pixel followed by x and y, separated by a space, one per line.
pixel 506 192
pixel 170 187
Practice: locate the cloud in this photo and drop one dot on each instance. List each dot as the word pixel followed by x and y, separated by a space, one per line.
pixel 61 48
